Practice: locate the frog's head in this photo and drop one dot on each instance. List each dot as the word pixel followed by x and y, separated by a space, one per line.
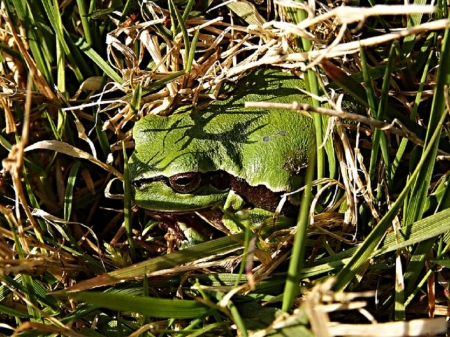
pixel 180 192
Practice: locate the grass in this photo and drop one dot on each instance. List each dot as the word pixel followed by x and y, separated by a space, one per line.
pixel 75 261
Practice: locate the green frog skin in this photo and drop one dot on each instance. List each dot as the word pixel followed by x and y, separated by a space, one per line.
pixel 193 160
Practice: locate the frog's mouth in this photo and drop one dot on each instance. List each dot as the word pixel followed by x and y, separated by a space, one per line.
pixel 194 191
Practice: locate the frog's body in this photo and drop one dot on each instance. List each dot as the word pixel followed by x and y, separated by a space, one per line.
pixel 190 161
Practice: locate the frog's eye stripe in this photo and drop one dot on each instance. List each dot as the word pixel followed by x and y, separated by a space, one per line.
pixel 189 182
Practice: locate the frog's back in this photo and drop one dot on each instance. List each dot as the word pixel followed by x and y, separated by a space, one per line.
pixel 261 146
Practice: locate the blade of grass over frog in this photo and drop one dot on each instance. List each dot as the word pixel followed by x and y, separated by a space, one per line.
pixel 148 89
pixel 298 250
pixel 127 204
pixel 69 190
pixel 152 307
pixel 313 88
pixel 364 251
pixel 379 136
pixel 312 85
pixel 191 254
pixel 62 147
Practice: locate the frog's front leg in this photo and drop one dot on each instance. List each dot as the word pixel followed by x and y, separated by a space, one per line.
pixel 235 216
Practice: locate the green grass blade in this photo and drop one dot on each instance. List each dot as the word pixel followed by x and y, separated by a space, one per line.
pixel 127 205
pixel 413 20
pixel 38 40
pixel 85 22
pixel 427 228
pixel 402 148
pixel 100 62
pixel 421 186
pixel 135 103
pixel 191 254
pixel 312 85
pixel 148 89
pixel 379 135
pixel 152 307
pixel 361 256
pixel 298 250
pixel 417 202
pixel 181 27
pixel 68 198
pixel 192 50
pixel 55 18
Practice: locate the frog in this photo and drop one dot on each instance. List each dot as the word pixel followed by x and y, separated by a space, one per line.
pixel 225 156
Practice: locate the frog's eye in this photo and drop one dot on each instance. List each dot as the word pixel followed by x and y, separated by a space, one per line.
pixel 185 182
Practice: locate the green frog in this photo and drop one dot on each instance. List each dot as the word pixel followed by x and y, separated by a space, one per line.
pixel 225 155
